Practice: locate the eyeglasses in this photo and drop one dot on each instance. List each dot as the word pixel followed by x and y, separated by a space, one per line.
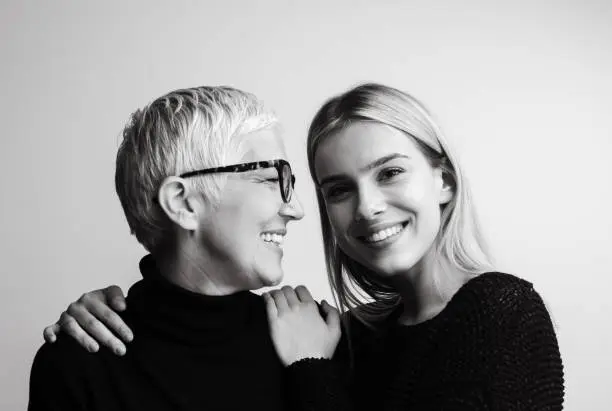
pixel 286 179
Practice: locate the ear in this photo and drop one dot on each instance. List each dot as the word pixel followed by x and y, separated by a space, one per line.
pixel 445 184
pixel 183 209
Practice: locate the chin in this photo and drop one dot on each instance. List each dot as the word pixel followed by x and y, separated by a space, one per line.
pixel 390 267
pixel 271 277
pixel 275 282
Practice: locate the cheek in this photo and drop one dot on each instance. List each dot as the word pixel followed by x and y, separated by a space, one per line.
pixel 235 226
pixel 250 210
pixel 420 194
pixel 415 193
pixel 340 217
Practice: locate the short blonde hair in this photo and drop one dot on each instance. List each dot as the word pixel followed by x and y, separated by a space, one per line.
pixel 181 131
pixel 459 240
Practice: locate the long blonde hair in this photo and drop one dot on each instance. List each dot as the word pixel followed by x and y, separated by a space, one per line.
pixel 459 240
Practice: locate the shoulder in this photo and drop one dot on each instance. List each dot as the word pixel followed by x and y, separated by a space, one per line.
pixel 499 297
pixel 61 376
pixel 58 374
pixel 497 285
pixel 496 280
pixel 61 357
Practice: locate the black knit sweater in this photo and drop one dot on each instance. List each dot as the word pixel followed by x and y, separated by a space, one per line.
pixel 190 352
pixel 493 347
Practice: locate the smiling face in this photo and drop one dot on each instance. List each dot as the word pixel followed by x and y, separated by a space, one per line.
pixel 381 195
pixel 242 234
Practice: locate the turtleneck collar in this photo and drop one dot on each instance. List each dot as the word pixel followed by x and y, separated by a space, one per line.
pixel 156 305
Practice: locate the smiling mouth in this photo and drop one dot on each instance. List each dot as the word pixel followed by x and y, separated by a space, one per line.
pixel 274 239
pixel 384 236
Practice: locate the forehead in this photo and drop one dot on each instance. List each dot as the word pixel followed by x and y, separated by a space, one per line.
pixel 360 144
pixel 262 145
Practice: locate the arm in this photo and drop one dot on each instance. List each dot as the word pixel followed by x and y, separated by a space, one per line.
pixel 305 337
pixel 318 385
pixel 92 319
pixel 530 373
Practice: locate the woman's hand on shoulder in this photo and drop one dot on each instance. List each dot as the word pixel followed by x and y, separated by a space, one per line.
pixel 93 319
pixel 297 327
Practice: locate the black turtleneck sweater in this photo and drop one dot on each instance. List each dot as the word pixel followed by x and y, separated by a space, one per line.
pixel 190 352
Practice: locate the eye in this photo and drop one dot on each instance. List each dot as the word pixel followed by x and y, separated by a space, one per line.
pixel 271 182
pixel 337 192
pixel 389 173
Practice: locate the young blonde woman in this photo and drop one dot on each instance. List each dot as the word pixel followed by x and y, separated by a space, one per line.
pixel 428 324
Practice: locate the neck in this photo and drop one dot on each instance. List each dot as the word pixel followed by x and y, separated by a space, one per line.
pixel 193 269
pixel 422 298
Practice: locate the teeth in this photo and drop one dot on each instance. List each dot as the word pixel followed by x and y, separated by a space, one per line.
pixel 273 238
pixel 384 234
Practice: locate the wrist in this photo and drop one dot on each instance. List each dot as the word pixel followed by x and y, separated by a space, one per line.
pixel 308 360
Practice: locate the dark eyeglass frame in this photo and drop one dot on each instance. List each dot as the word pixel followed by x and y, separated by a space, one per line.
pixel 278 164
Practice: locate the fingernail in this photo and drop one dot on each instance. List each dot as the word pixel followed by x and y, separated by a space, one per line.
pixel 92 348
pixel 119 350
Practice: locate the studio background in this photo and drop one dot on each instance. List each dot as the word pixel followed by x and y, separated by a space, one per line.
pixel 522 89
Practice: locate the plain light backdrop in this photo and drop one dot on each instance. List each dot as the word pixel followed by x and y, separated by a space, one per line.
pixel 523 90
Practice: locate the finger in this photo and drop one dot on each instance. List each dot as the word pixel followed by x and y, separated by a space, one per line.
pixel 270 306
pixel 332 317
pixel 95 329
pixel 50 333
pixel 303 294
pixel 71 327
pixel 291 296
pixel 111 320
pixel 280 300
pixel 115 298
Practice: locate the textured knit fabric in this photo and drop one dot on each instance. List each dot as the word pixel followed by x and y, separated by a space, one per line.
pixel 190 352
pixel 493 347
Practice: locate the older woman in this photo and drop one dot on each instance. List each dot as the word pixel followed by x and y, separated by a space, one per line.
pixel 206 187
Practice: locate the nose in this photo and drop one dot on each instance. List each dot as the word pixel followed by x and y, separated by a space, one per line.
pixel 293 209
pixel 370 203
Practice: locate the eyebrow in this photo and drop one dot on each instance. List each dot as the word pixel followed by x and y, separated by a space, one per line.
pixel 376 163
